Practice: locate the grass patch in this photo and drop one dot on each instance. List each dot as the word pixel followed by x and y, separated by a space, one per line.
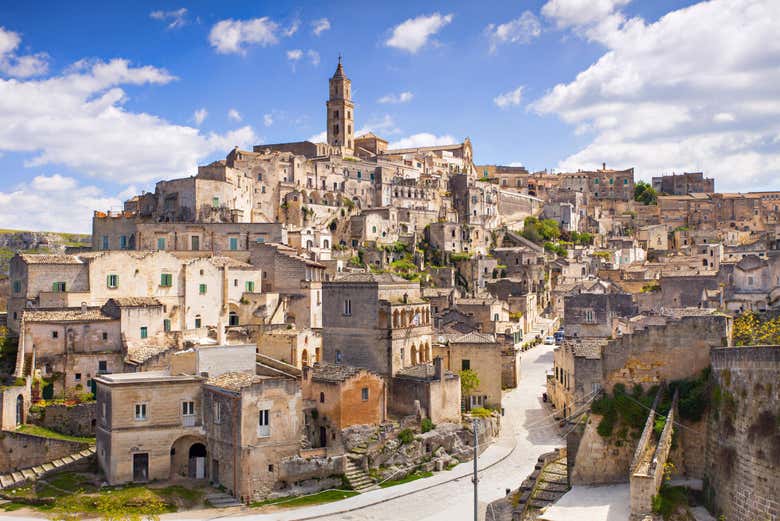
pixel 70 494
pixel 326 496
pixel 669 499
pixel 43 432
pixel 418 474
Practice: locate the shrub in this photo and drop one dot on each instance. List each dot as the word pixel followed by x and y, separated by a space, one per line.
pixel 406 436
pixel 481 412
pixel 427 425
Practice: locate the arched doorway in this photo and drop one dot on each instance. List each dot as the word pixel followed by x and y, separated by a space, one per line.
pixel 233 318
pixel 19 410
pixel 305 357
pixel 197 461
pixel 188 458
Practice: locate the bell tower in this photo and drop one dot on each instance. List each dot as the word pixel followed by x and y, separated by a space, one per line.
pixel 341 111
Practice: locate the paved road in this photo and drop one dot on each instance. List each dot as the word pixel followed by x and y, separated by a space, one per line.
pixel 526 433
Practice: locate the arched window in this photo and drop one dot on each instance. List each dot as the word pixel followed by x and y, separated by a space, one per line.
pixel 414 355
pixel 305 357
pixel 338 356
pixel 198 321
pixel 233 318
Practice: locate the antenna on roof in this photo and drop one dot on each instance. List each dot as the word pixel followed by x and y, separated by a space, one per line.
pixel 339 58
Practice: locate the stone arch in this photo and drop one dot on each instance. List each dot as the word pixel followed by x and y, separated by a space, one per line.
pixel 414 355
pixel 403 318
pixel 189 455
pixel 428 354
pixel 396 319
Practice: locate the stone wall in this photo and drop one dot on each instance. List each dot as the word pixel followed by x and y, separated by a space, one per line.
pixel 597 460
pixel 742 465
pixel 73 420
pixel 19 451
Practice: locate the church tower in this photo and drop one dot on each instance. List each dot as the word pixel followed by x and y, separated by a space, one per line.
pixel 341 111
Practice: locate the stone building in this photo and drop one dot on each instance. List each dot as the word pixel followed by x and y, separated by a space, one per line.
pixel 251 423
pixel 480 353
pixel 376 321
pixel 427 391
pixel 340 396
pixel 683 184
pixel 647 350
pixel 590 308
pixel 149 427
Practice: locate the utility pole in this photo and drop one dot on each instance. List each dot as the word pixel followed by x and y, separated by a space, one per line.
pixel 475 479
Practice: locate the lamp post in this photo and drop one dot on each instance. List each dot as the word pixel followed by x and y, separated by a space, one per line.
pixel 475 479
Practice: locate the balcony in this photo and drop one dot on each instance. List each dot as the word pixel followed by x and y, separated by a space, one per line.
pixel 189 420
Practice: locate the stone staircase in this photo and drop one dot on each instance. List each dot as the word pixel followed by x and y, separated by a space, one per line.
pixel 358 479
pixel 14 479
pixel 222 500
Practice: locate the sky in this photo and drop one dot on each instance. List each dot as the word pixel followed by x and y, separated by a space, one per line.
pixel 100 100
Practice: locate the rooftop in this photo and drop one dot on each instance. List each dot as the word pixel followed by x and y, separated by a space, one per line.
pixel 333 372
pixel 473 337
pixel 235 381
pixel 64 315
pixel 47 258
pixel 145 376
pixel 136 302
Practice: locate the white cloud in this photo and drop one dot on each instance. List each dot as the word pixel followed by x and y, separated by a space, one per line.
pixel 520 30
pixel 176 18
pixel 314 57
pixel 78 120
pixel 512 98
pixel 293 28
pixel 580 13
pixel 232 36
pixel 268 120
pixel 423 139
pixel 320 26
pixel 516 163
pixel 234 115
pixel 412 34
pixel 19 66
pixel 53 203
pixel 677 94
pixel 199 116
pixel 322 137
pixel 294 55
pixel 403 97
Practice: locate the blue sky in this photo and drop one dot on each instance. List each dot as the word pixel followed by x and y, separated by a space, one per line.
pixel 98 101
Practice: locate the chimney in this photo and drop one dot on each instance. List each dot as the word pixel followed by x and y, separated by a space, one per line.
pixel 438 370
pixel 83 307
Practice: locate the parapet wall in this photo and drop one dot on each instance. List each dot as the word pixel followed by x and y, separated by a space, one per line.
pixel 742 463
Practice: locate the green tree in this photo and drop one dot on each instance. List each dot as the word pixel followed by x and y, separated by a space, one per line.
pixel 469 381
pixel 645 194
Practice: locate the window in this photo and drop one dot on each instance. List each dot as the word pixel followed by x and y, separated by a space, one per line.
pixel 322 397
pixel 112 281
pixel 140 411
pixel 166 325
pixel 495 317
pixel 270 468
pixel 347 307
pixel 166 280
pixel 595 181
pixel 215 202
pixel 233 243
pixel 197 322
pixel 17 286
pixel 364 394
pixel 105 336
pixel 123 242
pixel 195 243
pixel 188 408
pixel 55 334
pixel 263 425
pixel 103 410
pixel 339 357
pixel 217 412
pixel 144 332
pixel 58 287
pixel 249 286
pixel 105 242
pixel 102 367
pixel 161 243
pixel 233 318
pixel 77 377
pixel 201 289
pixel 465 364
pixel 589 316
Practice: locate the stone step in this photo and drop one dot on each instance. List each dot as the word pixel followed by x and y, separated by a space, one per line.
pixel 6 480
pixel 39 471
pixel 47 467
pixel 68 459
pixel 17 477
